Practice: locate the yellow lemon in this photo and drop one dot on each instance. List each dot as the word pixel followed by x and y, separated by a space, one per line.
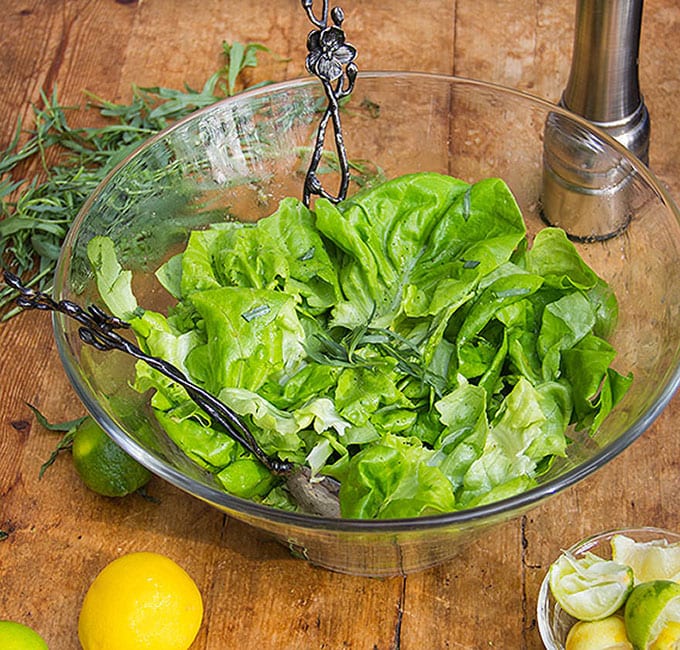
pixel 102 465
pixel 16 636
pixel 141 601
pixel 605 634
pixel 669 639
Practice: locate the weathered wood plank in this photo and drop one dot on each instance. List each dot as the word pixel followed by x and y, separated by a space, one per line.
pixel 256 595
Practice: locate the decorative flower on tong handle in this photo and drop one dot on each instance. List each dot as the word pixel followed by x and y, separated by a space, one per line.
pixel 331 59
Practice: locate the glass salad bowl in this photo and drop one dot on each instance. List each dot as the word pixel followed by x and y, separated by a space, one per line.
pixel 235 161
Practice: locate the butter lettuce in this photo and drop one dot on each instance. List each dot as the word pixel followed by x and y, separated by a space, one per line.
pixel 393 478
pixel 408 342
pixel 251 335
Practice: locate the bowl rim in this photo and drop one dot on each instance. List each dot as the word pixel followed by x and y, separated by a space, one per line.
pixel 495 511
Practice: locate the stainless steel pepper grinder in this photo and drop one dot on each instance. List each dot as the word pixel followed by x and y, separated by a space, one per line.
pixel 586 186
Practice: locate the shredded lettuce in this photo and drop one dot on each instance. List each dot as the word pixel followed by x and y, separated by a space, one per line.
pixel 407 341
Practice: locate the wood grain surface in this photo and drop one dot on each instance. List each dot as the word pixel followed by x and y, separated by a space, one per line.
pixel 256 595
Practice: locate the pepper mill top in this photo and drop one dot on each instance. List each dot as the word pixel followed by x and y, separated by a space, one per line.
pixel 603 82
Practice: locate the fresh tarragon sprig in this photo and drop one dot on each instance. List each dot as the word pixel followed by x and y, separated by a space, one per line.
pixel 48 170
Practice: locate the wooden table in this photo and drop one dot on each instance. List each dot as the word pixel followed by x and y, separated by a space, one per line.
pixel 256 595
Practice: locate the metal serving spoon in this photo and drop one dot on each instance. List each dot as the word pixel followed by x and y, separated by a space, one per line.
pixel 318 496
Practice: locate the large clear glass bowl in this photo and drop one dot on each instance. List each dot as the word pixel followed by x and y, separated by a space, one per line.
pixel 238 158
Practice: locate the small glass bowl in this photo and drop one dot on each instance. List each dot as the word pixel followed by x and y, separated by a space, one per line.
pixel 553 622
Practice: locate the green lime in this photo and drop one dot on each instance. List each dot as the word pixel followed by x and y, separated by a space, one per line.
pixel 652 615
pixel 16 636
pixel 655 560
pixel 102 465
pixel 589 587
pixel 606 634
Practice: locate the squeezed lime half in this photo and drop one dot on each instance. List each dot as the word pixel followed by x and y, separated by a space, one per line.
pixel 655 560
pixel 590 588
pixel 652 615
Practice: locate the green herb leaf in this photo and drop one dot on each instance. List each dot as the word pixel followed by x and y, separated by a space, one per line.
pixel 36 212
pixel 66 441
pixel 55 426
pixel 65 444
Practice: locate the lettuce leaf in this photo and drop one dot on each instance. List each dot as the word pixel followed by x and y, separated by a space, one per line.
pixel 393 479
pixel 113 283
pixel 408 341
pixel 382 234
pixel 251 335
